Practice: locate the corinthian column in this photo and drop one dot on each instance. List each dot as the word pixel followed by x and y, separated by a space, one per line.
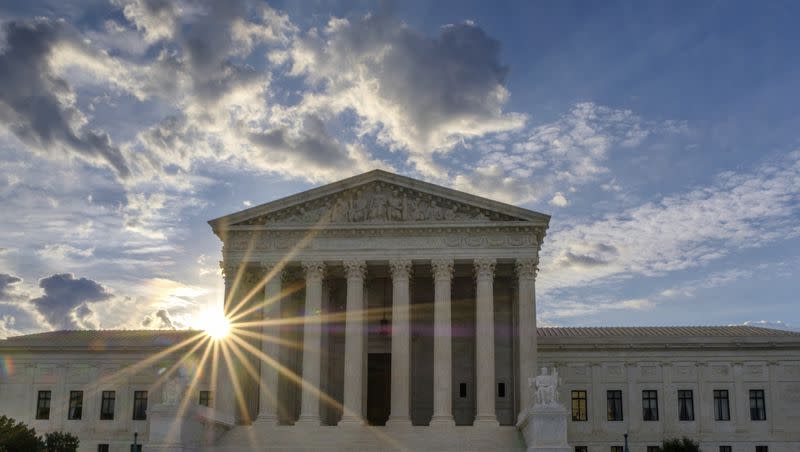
pixel 354 343
pixel 399 413
pixel 271 310
pixel 484 341
pixel 312 341
pixel 526 308
pixel 225 402
pixel 442 343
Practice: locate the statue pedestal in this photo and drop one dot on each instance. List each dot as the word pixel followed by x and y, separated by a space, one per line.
pixel 187 431
pixel 545 429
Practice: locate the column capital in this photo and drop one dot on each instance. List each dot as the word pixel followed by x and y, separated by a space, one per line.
pixel 527 268
pixel 484 268
pixel 228 270
pixel 314 269
pixel 355 269
pixel 400 268
pixel 442 268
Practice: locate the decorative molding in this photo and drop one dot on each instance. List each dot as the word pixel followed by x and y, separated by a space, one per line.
pixel 228 272
pixel 400 268
pixel 355 269
pixel 527 268
pixel 484 268
pixel 314 269
pixel 378 203
pixel 442 269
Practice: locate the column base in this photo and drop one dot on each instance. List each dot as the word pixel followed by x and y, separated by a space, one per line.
pixel 442 421
pixel 486 421
pixel 308 421
pixel 398 422
pixel 266 419
pixel 351 421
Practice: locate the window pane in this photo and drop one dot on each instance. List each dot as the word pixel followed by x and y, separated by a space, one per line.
pixel 614 401
pixel 107 405
pixel 758 410
pixel 616 449
pixel 102 448
pixel 722 410
pixel 581 449
pixel 43 405
pixel 205 398
pixel 579 406
pixel 649 405
pixel 75 405
pixel 725 449
pixel 140 405
pixel 685 405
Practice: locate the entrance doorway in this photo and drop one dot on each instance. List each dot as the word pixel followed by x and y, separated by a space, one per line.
pixel 379 380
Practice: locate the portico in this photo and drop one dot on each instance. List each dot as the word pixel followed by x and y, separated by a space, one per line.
pixel 379 271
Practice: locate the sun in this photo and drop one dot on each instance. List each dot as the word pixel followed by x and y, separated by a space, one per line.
pixel 215 324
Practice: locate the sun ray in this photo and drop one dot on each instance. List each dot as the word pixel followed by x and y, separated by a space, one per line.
pixel 264 337
pixel 187 398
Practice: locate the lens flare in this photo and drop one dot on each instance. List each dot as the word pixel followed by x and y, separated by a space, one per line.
pixel 215 324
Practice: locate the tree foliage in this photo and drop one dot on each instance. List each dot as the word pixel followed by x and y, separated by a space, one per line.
pixel 18 437
pixel 61 442
pixel 680 445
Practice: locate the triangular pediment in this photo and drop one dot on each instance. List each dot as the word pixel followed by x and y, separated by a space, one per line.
pixel 379 197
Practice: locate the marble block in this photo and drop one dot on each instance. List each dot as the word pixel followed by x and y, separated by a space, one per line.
pixel 545 429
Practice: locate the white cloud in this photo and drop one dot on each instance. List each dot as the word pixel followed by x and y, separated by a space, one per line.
pixel 559 200
pixel 680 231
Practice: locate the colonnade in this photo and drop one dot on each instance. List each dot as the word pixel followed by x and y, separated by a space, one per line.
pixel 355 337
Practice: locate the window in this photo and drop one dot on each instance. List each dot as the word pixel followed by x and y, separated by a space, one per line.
pixel 725 449
pixel 75 405
pixel 722 410
pixel 501 390
pixel 139 405
pixel 107 405
pixel 649 405
pixel 616 449
pixel 581 449
pixel 205 398
pixel 685 405
pixel 138 448
pixel 102 448
pixel 762 448
pixel 43 405
pixel 462 390
pixel 579 405
pixel 758 411
pixel 653 449
pixel 614 399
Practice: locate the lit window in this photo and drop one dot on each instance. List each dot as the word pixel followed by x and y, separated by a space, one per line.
pixel 107 405
pixel 685 405
pixel 579 405
pixel 722 410
pixel 649 405
pixel 139 405
pixel 758 411
pixel 43 405
pixel 75 405
pixel 614 399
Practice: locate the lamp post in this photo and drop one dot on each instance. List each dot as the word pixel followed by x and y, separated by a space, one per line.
pixel 135 446
pixel 626 444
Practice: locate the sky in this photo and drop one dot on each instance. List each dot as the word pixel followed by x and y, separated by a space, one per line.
pixel 662 137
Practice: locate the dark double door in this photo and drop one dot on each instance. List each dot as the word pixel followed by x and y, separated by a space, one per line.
pixel 379 381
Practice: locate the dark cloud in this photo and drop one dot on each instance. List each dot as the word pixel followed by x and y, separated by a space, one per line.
pixel 65 303
pixel 34 103
pixel 7 287
pixel 159 320
pixel 310 144
pixel 425 91
pixel 595 255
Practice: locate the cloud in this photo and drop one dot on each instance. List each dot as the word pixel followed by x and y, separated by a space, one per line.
pixel 159 320
pixel 38 106
pixel 9 287
pixel 568 308
pixel 418 93
pixel 680 231
pixel 549 159
pixel 774 324
pixel 66 301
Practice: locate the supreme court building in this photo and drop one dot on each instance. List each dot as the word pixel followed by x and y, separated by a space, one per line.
pixel 381 312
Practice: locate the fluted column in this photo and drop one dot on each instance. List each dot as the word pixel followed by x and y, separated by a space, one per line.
pixel 484 341
pixel 526 311
pixel 224 394
pixel 442 343
pixel 401 343
pixel 312 341
pixel 271 310
pixel 354 343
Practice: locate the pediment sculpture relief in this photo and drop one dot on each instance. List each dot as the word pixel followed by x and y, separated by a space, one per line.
pixel 379 202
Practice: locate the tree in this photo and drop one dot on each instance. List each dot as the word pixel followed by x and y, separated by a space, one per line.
pixel 61 442
pixel 18 437
pixel 680 445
